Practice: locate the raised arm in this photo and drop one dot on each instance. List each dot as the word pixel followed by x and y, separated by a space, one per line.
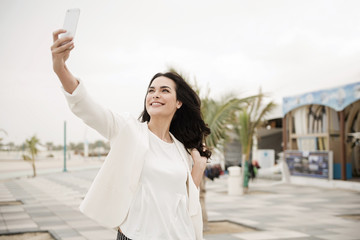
pixel 81 104
pixel 198 168
pixel 60 53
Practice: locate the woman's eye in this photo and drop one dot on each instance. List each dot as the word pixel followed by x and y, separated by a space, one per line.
pixel 165 90
pixel 150 90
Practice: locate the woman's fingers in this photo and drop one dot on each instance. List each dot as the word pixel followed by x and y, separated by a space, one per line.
pixel 195 153
pixel 57 32
pixel 59 49
pixel 61 42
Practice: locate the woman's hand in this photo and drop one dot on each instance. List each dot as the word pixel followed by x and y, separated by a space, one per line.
pixel 198 167
pixel 61 50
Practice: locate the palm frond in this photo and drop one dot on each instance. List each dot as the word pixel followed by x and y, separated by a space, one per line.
pixel 31 145
pixel 218 116
pixel 267 109
pixel 250 119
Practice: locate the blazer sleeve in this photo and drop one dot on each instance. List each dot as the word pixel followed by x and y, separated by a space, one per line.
pixel 103 120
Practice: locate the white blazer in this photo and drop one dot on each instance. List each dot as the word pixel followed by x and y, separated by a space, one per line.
pixel 111 193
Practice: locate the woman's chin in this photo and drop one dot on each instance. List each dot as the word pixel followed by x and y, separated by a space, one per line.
pixel 159 114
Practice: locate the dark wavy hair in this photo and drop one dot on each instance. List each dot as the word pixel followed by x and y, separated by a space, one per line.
pixel 187 124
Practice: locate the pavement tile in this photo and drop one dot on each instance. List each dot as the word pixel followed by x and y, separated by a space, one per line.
pixel 21 225
pixel 51 223
pixel 66 232
pixel 73 238
pixel 220 236
pixel 53 227
pixel 82 224
pixel 302 238
pixel 273 234
pixel 15 215
pixel 99 234
pixel 7 209
pixel 90 228
pixel 243 221
pixel 354 232
pixel 41 214
pixel 46 219
pixel 337 237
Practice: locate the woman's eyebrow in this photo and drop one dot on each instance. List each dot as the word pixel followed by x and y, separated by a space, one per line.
pixel 152 87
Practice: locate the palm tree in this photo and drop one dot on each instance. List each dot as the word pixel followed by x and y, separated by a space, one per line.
pixel 248 120
pixel 31 146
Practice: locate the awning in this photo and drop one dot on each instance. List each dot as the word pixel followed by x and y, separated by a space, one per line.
pixel 337 98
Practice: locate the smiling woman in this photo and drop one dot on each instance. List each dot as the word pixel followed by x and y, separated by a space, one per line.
pixel 148 185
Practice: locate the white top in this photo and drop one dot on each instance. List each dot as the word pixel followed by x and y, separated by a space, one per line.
pixel 159 210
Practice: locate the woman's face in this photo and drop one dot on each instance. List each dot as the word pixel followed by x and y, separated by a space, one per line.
pixel 161 98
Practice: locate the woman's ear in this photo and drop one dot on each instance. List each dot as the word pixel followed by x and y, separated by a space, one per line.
pixel 178 104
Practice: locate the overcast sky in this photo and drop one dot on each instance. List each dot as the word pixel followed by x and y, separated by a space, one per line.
pixel 286 47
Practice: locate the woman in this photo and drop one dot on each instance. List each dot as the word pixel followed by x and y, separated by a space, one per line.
pixel 148 184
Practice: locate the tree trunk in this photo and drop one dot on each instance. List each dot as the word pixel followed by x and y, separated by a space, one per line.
pixel 243 173
pixel 245 167
pixel 246 176
pixel 203 204
pixel 33 165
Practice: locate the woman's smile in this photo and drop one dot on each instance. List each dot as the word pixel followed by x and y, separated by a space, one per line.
pixel 157 104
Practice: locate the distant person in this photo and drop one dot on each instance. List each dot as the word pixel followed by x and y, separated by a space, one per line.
pixel 148 184
pixel 253 169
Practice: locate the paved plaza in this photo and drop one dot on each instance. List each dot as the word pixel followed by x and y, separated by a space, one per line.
pixel 275 210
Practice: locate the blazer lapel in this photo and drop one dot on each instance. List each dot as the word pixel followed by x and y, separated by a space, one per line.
pixel 193 192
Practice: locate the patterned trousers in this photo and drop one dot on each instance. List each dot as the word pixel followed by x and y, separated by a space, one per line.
pixel 121 236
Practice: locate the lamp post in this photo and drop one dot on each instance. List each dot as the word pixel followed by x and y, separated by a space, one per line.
pixel 65 170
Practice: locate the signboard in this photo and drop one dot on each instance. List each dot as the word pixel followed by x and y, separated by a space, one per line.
pixel 318 164
pixel 266 158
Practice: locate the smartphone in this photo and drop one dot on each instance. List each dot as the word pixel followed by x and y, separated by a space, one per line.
pixel 70 23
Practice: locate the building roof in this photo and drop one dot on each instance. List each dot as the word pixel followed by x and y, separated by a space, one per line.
pixel 337 98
